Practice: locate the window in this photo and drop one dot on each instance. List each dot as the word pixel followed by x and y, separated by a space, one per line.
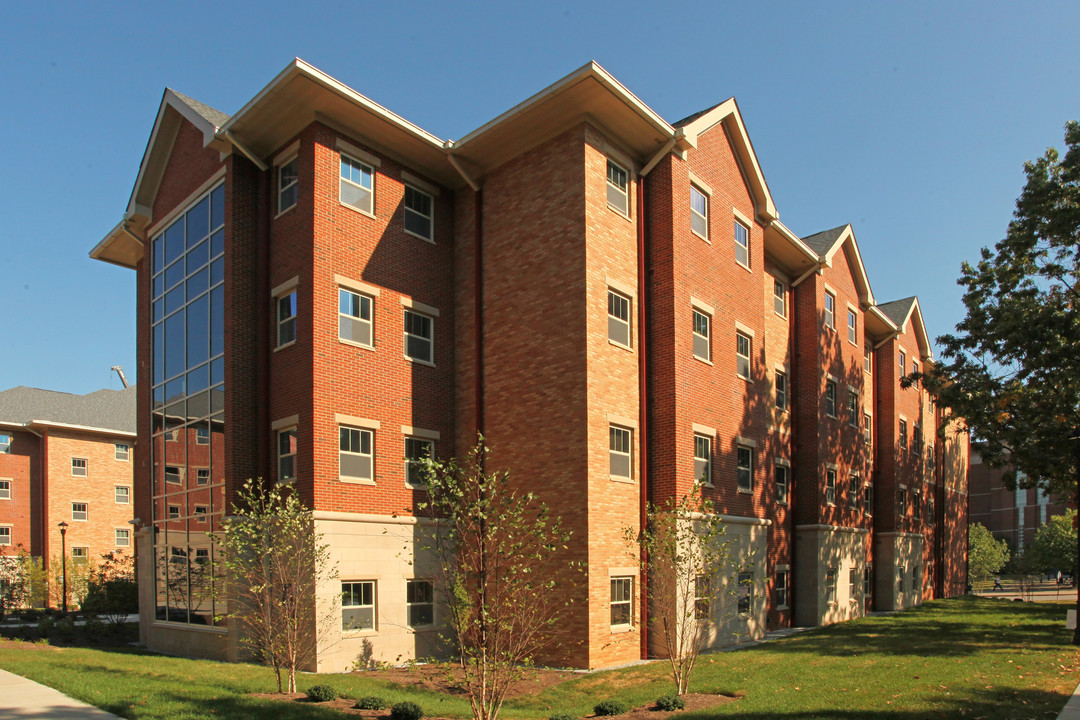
pixel 868 500
pixel 173 512
pixel 286 319
pixel 901 572
pixel 622 590
pixel 620 442
pixel 742 355
pixel 853 583
pixel 914 367
pixel 419 337
pixel 930 457
pixel 903 435
pixel 702 598
pixel 122 451
pixel 830 586
pixel 356 459
pixel 202 476
pixel 286 451
pixel 916 579
pixel 853 407
pixel 418 213
pixel 618 324
pixel 830 398
pixel 78 467
pixel 358 605
pixel 78 511
pixel 780 475
pixel 742 244
pixel 867 429
pixel 781 391
pixel 830 487
pixel 202 435
pixel 201 513
pixel 420 602
pixel 867 361
pixel 5 489
pixel 122 494
pixel 172 474
pixel 202 556
pixel 123 537
pixel 744 468
pixel 5 534
pixel 902 500
pixel 416 450
pixel 287 188
pixel 80 555
pixel 703 459
pixel 916 503
pixel 853 491
pixel 780 588
pixel 830 311
pixel 867 574
pixel 702 347
pixel 5 444
pixel 852 323
pixel 916 438
pixel 903 361
pixel 618 198
pixel 354 318
pixel 745 590
pixel 699 212
pixel 780 298
pixel 930 507
pixel 357 184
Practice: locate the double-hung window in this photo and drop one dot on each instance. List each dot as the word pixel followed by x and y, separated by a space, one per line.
pixel 903 435
pixel 5 489
pixel 742 244
pixel 80 555
pixel 702 334
pixel 902 500
pixel 916 504
pixel 853 583
pixel 419 337
pixel 419 214
pixel 916 438
pixel 699 212
pixel 867 356
pixel 356 453
pixel 5 534
pixel 123 537
pixel 702 597
pixel 79 511
pixel 744 468
pixel 621 443
pixel 868 499
pixel 780 588
pixel 354 318
pixel 5 443
pixel 287 185
pixel 867 429
pixel 122 494
pixel 780 298
pixel 852 327
pixel 867 576
pixel 420 602
pixel 286 447
pixel 742 355
pixel 853 491
pixel 357 185
pixel 416 450
pixel 358 605
pixel 781 391
pixel 830 586
pixel 78 467
pixel 745 592
pixel 830 311
pixel 782 484
pixel 618 196
pixel 286 319
pixel 830 398
pixel 903 362
pixel 622 593
pixel 618 308
pixel 703 459
pixel 122 451
pixel 830 487
pixel 853 407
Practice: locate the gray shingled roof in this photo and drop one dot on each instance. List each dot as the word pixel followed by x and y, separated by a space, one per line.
pixel 214 117
pixel 691 118
pixel 897 310
pixel 110 409
pixel 822 242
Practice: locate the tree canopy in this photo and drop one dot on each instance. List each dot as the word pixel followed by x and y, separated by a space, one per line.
pixel 986 554
pixel 1054 547
pixel 1012 369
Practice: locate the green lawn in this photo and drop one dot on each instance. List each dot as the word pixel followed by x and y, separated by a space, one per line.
pixel 963 658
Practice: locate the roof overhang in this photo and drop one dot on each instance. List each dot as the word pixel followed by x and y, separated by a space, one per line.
pixel 787 249
pixel 918 326
pixel 846 241
pixel 877 323
pixel 728 116
pixel 120 247
pixel 302 94
pixel 589 93
pixel 44 425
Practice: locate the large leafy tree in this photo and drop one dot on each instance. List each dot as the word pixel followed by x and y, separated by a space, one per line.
pixel 1012 369
pixel 1055 544
pixel 986 554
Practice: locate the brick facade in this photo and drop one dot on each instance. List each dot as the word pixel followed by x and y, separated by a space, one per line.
pixel 537 218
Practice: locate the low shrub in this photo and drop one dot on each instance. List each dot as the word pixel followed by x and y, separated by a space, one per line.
pixel 65 627
pixel 370 702
pixel 611 707
pixel 563 716
pixel 95 629
pixel 45 626
pixel 321 693
pixel 670 702
pixel 406 711
pixel 29 615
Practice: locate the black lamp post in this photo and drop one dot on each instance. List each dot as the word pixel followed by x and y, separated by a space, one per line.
pixel 63 558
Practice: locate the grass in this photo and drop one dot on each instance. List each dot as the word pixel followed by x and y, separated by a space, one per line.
pixel 962 658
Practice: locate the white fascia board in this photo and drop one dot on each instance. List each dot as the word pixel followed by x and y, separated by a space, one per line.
pixel 81 428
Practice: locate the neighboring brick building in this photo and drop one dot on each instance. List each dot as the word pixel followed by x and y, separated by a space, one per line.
pixel 1014 515
pixel 609 297
pixel 66 458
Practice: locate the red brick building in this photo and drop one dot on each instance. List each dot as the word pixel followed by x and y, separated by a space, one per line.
pixel 66 458
pixel 327 290
pixel 1013 515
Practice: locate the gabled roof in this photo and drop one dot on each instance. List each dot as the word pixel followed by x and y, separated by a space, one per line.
pixel 212 116
pixel 900 311
pixel 727 115
pixel 828 242
pixel 111 411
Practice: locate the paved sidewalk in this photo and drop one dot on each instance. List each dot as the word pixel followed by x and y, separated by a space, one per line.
pixel 1071 711
pixel 21 698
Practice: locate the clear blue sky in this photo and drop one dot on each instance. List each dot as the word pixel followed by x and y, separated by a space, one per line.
pixel 911 121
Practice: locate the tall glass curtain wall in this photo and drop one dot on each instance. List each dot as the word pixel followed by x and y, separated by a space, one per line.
pixel 188 409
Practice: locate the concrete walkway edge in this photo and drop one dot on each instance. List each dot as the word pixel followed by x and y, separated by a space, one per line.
pixel 1071 711
pixel 23 698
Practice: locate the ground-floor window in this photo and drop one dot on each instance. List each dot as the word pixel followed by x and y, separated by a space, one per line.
pixel 420 599
pixel 358 605
pixel 622 590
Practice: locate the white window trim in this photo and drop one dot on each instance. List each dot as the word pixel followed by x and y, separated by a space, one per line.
pixel 783 284
pixel 611 290
pixel 360 632
pixel 278 189
pixel 749 376
pixel 127 452
pixel 619 574
pixel 632 431
pixel 786 570
pixel 694 333
pixel 742 444
pixel 434 619
pixel 739 220
pixel 116 537
pixel 786 464
pixel 85 467
pixel 371 322
pixel 277 294
pixel 415 307
pixel 416 436
pixel 830 468
pixel 708 201
pixel 354 479
pixel 710 438
pixel 10 489
pixel 80 502
pixel 431 218
pixel 853 313
pixel 10 534
pixel 608 184
pixel 854 419
pixel 278 454
pixel 830 380
pixel 359 157
pixel 126 487
pixel 825 309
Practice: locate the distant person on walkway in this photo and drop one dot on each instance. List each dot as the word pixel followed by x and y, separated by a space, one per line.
pixel 1059 577
pixel 997 583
